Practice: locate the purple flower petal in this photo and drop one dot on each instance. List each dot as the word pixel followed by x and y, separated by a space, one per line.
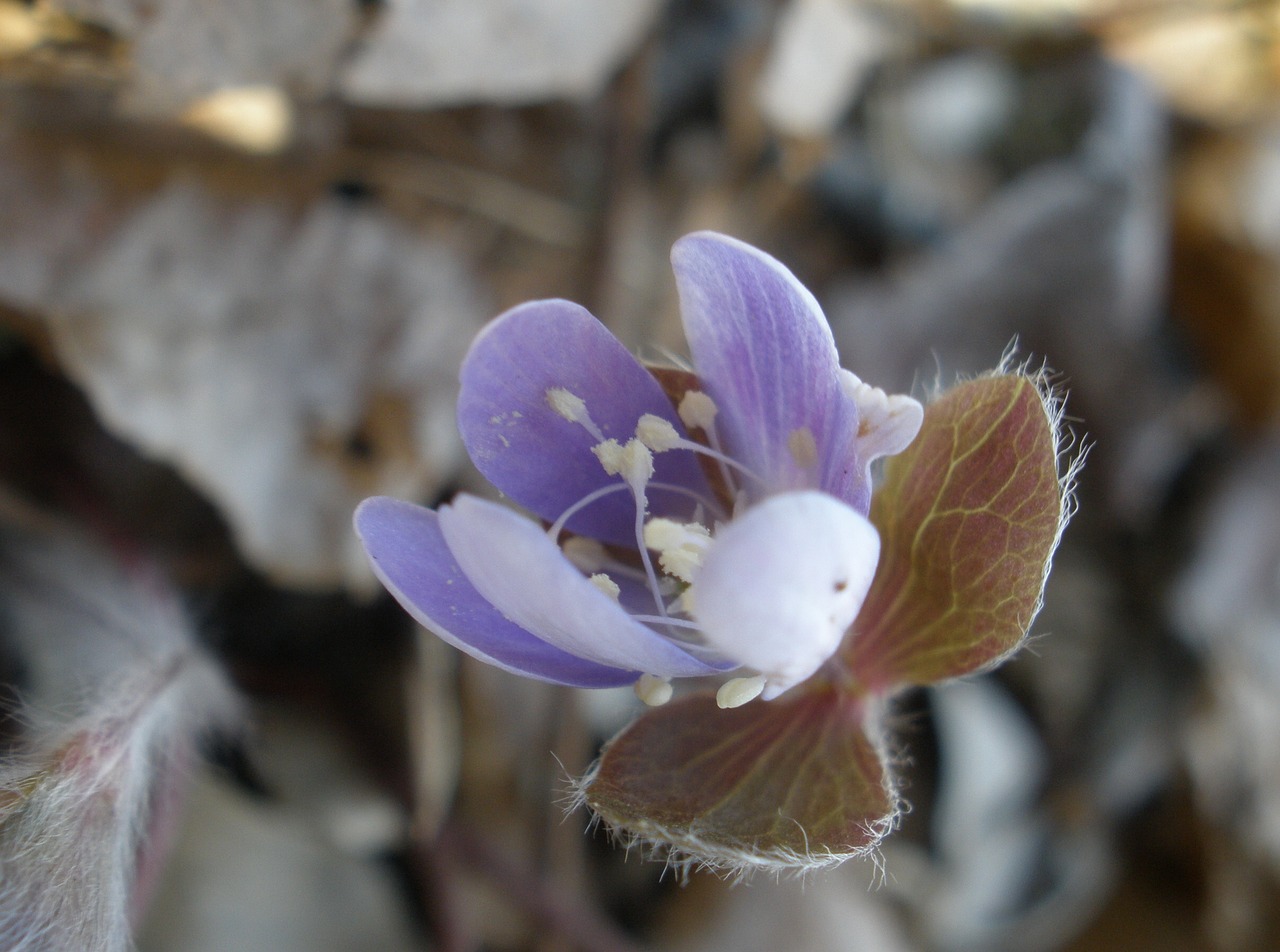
pixel 515 565
pixel 536 456
pixel 410 557
pixel 765 355
pixel 783 582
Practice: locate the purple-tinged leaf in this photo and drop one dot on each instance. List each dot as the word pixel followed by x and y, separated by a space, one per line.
pixel 969 516
pixel 793 782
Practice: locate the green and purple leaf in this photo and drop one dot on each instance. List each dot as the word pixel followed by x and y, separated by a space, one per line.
pixel 969 516
pixel 794 782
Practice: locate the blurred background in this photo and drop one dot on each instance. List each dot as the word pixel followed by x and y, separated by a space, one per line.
pixel 244 245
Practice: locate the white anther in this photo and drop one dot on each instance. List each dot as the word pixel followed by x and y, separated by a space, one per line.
pixel 803 447
pixel 606 585
pixel 662 534
pixel 632 461
pixel 573 408
pixel 657 434
pixel 569 405
pixel 609 453
pixel 587 555
pixel 738 691
pixel 637 467
pixel 653 690
pixel 680 545
pixel 682 562
pixel 697 410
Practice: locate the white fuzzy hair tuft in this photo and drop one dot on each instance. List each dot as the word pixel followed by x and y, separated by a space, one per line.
pixel 118 695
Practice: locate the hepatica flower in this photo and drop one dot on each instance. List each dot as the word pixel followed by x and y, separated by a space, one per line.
pixel 718 523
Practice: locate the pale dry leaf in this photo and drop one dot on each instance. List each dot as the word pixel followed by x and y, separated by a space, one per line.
pixel 184 49
pixel 822 54
pixel 253 875
pixel 288 362
pixel 1064 256
pixel 426 53
pixel 1214 61
pixel 992 836
pixel 253 350
pixel 1227 605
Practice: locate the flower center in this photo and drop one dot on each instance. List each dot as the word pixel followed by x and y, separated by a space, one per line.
pixel 680 546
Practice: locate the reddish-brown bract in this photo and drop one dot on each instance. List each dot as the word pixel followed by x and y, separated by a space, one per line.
pixel 968 517
pixel 773 781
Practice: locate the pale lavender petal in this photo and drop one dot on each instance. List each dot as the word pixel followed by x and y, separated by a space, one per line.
pixel 765 354
pixel 532 453
pixel 783 582
pixel 522 573
pixel 888 423
pixel 410 557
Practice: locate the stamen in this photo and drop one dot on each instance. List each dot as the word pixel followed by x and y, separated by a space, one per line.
pixel 697 410
pixel 653 690
pixel 680 546
pixel 738 691
pixel 659 435
pixel 606 585
pixel 609 453
pixel 558 526
pixel 589 557
pixel 632 461
pixel 656 433
pixel 662 534
pixel 683 604
pixel 650 575
pixel 574 409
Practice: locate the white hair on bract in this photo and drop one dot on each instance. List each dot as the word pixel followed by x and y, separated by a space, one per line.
pixel 116 695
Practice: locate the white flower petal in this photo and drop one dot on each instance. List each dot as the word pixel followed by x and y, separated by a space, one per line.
pixel 886 423
pixel 523 574
pixel 782 583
